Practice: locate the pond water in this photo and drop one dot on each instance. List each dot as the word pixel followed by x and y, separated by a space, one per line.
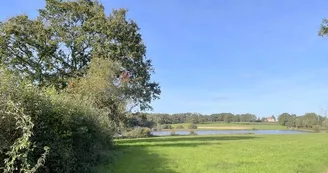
pixel 215 132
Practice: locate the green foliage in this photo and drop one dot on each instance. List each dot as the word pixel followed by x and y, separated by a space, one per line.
pixel 325 124
pixel 166 126
pixel 192 133
pixel 75 130
pixel 307 121
pixel 179 127
pixel 316 128
pixel 98 89
pixel 17 156
pixel 197 118
pixel 228 118
pixel 158 127
pixel 324 28
pixel 138 132
pixel 61 41
pixel 283 118
pixel 139 120
pixel 74 72
pixel 310 119
pixel 192 126
pixel 291 121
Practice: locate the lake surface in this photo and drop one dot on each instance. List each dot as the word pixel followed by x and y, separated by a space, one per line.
pixel 215 132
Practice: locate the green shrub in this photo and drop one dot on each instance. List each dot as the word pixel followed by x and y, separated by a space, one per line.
pixel 138 132
pixel 192 133
pixel 158 127
pixel 166 126
pixel 75 131
pixel 179 127
pixel 16 158
pixel 325 124
pixel 192 126
pixel 316 128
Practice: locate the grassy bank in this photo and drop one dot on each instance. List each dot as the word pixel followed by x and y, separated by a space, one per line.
pixel 223 153
pixel 235 126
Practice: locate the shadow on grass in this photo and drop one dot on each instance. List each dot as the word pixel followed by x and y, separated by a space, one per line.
pixel 183 141
pixel 138 157
pixel 136 160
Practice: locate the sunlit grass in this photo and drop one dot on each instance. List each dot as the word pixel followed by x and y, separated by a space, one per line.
pixel 306 153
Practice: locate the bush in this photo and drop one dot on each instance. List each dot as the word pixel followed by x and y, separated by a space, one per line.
pixel 75 131
pixel 192 133
pixel 138 132
pixel 167 126
pixel 192 126
pixel 179 127
pixel 316 128
pixel 325 124
pixel 158 127
pixel 16 158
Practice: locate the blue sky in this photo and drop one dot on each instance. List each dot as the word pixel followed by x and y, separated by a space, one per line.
pixel 262 57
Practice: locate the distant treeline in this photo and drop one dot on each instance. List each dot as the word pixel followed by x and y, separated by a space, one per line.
pixel 306 121
pixel 197 118
pixel 150 120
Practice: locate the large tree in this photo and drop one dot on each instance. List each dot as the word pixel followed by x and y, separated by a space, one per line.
pixel 283 118
pixel 61 41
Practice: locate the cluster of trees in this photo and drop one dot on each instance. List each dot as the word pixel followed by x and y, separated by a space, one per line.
pixel 309 120
pixel 153 120
pixel 306 121
pixel 197 118
pixel 69 78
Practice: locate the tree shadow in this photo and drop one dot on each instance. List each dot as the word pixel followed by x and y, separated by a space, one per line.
pixel 137 159
pixel 184 141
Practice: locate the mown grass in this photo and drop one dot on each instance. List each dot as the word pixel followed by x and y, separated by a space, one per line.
pixel 240 126
pixel 306 153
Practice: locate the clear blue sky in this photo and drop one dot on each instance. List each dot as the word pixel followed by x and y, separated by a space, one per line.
pixel 262 57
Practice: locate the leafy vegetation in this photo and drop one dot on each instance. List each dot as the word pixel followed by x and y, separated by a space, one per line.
pixel 192 126
pixel 73 129
pixel 307 121
pixel 223 153
pixel 73 74
pixel 179 127
pixel 166 126
pixel 192 132
pixel 197 118
pixel 138 132
pixel 66 35
pixel 18 153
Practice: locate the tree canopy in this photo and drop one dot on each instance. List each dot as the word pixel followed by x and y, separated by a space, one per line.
pixel 61 41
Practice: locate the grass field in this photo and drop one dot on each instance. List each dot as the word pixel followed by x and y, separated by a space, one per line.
pixel 236 126
pixel 301 153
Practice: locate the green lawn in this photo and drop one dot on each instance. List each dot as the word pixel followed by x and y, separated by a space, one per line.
pixel 298 153
pixel 223 126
